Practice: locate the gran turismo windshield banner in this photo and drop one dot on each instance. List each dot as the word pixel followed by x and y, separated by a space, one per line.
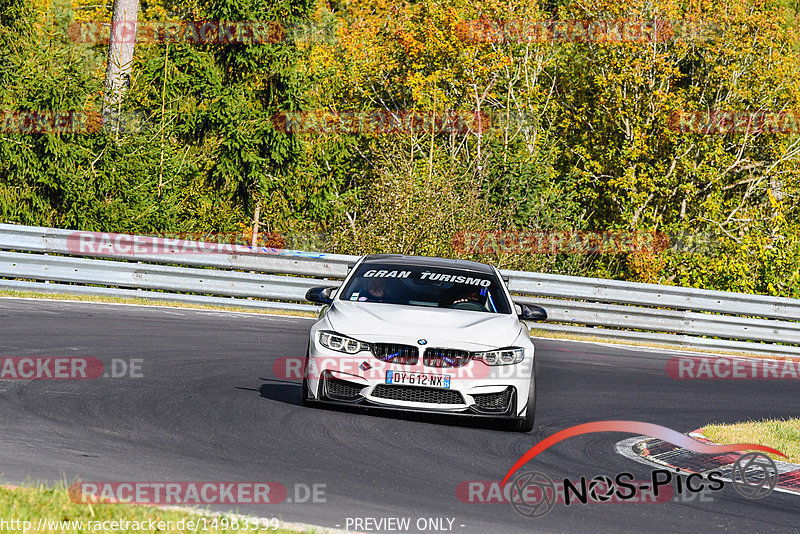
pixel 427 286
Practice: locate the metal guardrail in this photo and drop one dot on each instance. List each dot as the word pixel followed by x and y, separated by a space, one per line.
pixel 184 298
pixel 148 276
pixel 259 277
pixel 161 250
pixel 653 295
pixel 660 320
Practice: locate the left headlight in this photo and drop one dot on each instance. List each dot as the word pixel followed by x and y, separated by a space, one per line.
pixel 507 356
pixel 340 343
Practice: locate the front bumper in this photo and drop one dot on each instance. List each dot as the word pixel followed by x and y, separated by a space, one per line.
pixel 366 400
pixel 475 390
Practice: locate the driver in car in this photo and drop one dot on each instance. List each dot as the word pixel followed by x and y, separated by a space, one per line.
pixel 471 295
pixel 376 290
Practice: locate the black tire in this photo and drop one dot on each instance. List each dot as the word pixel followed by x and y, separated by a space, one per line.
pixel 526 424
pixel 304 398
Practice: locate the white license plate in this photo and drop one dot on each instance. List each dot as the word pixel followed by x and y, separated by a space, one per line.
pixel 418 379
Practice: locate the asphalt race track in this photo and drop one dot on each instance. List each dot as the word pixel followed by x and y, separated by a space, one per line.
pixel 208 407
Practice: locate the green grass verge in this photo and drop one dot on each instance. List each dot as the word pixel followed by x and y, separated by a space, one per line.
pixel 53 504
pixel 783 435
pixel 146 302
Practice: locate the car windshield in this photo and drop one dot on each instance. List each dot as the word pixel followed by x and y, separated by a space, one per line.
pixel 434 287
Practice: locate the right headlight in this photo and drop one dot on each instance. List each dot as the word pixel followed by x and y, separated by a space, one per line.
pixel 507 356
pixel 340 343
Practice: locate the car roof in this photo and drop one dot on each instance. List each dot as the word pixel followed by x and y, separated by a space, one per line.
pixel 428 261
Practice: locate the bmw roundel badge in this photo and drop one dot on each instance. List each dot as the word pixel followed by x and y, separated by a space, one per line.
pixel 422 341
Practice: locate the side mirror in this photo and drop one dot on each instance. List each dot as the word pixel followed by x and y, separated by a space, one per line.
pixel 320 295
pixel 529 312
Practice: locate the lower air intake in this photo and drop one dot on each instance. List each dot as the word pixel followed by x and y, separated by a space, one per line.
pixel 341 390
pixel 493 402
pixel 418 394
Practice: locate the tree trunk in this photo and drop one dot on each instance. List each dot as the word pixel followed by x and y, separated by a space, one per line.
pixel 120 59
pixel 256 217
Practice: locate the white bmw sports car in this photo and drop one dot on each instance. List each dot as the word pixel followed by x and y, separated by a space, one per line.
pixel 423 334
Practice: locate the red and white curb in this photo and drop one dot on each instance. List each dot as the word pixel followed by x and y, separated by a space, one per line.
pixel 657 453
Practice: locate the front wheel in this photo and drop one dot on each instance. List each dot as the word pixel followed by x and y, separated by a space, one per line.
pixel 305 400
pixel 526 424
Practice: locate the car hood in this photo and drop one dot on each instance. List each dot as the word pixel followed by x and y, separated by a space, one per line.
pixel 374 322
